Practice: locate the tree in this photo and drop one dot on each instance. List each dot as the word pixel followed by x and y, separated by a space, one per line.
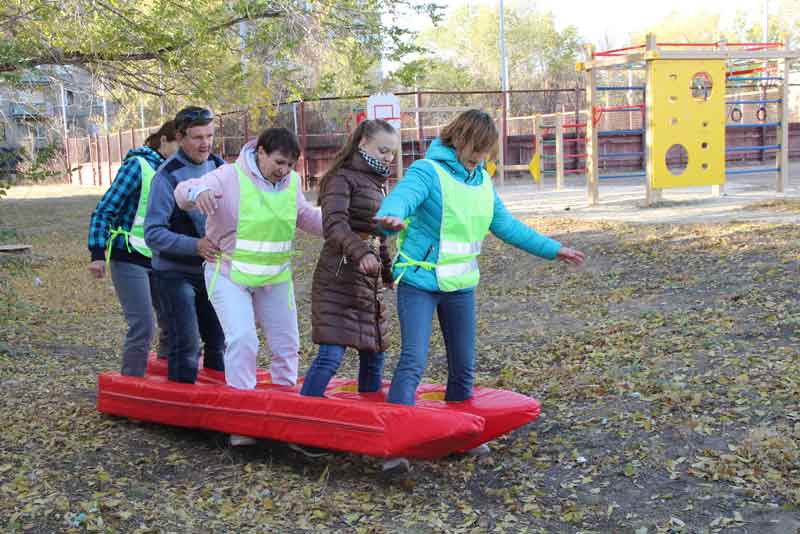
pixel 217 51
pixel 463 52
pixel 784 21
pixel 702 26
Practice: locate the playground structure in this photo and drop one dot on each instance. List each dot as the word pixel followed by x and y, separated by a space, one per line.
pixel 684 111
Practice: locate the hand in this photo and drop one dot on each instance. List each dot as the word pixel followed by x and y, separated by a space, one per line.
pixel 571 256
pixel 394 224
pixel 369 264
pixel 206 201
pixel 207 250
pixel 98 268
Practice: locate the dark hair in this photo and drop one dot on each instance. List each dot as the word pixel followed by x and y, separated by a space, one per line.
pixel 192 116
pixel 366 129
pixel 473 129
pixel 280 139
pixel 167 130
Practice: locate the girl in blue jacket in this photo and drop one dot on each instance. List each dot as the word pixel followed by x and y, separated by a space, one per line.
pixel 436 268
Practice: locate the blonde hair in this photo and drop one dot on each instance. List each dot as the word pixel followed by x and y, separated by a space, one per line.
pixel 473 129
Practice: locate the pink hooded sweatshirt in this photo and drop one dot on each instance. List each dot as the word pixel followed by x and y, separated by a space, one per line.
pixel 221 226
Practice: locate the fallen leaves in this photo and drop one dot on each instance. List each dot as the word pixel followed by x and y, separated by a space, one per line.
pixel 668 369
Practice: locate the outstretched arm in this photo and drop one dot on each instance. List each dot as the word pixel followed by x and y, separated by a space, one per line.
pixel 514 232
pixel 405 198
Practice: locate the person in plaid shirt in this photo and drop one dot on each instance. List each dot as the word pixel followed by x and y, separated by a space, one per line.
pixel 113 244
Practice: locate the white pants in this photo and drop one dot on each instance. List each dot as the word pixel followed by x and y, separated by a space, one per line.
pixel 238 308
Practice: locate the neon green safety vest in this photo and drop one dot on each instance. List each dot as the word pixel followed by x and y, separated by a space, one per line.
pixel 135 237
pixel 467 212
pixel 264 233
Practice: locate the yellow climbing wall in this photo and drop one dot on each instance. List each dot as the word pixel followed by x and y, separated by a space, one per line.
pixel 686 107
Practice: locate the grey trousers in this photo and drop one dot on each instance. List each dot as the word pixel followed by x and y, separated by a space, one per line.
pixel 137 294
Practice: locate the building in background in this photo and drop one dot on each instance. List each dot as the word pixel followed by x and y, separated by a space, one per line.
pixel 32 111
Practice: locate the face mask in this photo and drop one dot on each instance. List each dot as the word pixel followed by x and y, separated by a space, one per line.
pixel 376 165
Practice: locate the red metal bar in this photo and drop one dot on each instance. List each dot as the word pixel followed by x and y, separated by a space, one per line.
pixel 616 51
pixel 747 71
pixel 574 125
pixel 574 171
pixel 576 155
pixel 715 45
pixel 765 45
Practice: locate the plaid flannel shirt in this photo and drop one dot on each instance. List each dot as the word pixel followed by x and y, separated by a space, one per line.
pixel 118 206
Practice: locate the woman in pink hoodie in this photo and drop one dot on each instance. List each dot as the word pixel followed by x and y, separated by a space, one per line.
pixel 253 207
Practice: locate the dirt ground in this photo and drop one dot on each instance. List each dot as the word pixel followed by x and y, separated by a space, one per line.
pixel 667 367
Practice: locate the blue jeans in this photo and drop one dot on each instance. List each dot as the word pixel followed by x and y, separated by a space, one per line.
pixel 188 312
pixel 325 365
pixel 138 296
pixel 456 311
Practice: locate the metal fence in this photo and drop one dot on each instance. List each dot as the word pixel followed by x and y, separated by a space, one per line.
pixel 322 125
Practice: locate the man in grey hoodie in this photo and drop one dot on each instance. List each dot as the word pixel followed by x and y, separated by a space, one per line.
pixel 177 239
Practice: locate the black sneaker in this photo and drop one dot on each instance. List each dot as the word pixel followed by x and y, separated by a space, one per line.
pixel 395 466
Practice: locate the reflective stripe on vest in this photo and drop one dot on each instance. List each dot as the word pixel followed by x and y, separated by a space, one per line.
pixel 264 233
pixel 136 236
pixel 453 247
pixel 263 246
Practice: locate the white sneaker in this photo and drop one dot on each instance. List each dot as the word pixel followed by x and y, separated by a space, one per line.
pixel 480 451
pixel 240 441
pixel 395 466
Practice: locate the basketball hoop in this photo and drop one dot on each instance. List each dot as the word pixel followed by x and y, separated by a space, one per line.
pixel 385 106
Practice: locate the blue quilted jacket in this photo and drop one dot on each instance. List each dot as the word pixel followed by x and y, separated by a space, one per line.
pixel 419 196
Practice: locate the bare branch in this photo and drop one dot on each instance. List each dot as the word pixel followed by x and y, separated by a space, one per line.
pixel 56 56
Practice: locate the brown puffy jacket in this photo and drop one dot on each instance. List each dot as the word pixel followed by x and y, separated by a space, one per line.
pixel 346 304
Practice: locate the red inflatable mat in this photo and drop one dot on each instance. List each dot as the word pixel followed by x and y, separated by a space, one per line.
pixel 346 420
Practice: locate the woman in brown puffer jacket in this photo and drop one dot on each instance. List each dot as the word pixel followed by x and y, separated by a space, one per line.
pixel 347 308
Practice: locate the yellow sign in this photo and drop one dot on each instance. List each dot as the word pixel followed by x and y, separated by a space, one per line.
pixel 686 116
pixel 533 166
pixel 491 167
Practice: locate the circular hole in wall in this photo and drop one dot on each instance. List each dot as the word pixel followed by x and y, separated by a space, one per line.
pixel 701 86
pixel 677 158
